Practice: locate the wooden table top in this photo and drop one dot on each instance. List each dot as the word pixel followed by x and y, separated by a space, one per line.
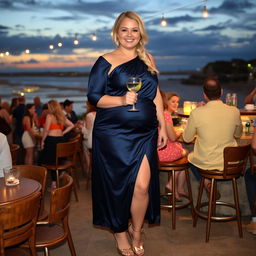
pixel 26 188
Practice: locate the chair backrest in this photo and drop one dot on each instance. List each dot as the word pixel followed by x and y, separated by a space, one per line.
pixel 235 159
pixel 18 220
pixel 60 200
pixel 78 137
pixel 14 148
pixel 34 172
pixel 66 150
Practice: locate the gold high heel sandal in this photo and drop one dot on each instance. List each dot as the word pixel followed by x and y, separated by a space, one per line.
pixel 124 252
pixel 138 250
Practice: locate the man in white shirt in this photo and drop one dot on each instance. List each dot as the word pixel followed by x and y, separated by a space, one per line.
pixel 5 154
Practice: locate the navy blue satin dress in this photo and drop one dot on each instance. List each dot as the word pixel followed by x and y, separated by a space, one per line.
pixel 120 141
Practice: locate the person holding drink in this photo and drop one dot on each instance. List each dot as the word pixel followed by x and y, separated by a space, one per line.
pixel 125 182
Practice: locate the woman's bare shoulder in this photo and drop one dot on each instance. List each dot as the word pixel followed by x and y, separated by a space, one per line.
pixel 110 56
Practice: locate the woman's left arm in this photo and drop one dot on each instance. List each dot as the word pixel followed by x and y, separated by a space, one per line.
pixel 162 137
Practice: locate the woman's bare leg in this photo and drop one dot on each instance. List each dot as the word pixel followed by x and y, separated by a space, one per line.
pixel 29 157
pixel 140 201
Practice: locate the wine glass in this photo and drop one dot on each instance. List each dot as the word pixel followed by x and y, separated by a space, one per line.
pixel 133 84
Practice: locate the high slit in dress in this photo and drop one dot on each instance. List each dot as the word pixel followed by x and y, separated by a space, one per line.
pixel 120 141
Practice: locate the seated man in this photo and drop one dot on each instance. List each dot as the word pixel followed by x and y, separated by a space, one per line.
pixel 215 125
pixel 69 112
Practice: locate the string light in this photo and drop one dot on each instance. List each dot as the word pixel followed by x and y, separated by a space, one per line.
pixel 163 22
pixel 76 42
pixel 205 12
pixel 94 37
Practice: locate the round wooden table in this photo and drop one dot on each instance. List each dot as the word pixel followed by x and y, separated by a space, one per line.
pixel 26 188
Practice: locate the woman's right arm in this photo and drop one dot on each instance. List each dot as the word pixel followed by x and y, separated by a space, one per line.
pixel 97 87
pixel 107 101
pixel 68 126
pixel 172 135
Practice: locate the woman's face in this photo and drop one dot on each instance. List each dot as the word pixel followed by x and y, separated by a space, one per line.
pixel 32 110
pixel 173 103
pixel 128 33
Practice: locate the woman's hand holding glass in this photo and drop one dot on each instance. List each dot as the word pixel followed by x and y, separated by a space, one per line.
pixel 133 85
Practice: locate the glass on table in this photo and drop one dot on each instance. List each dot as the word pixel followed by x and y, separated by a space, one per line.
pixel 11 176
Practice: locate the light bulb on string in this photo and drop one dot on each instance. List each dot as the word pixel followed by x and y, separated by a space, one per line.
pixel 76 42
pixel 1 54
pixel 7 53
pixel 163 22
pixel 94 37
pixel 60 44
pixel 51 46
pixel 205 12
pixel 27 51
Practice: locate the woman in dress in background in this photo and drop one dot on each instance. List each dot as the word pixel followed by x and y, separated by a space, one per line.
pixel 125 181
pixel 29 123
pixel 86 130
pixel 174 150
pixel 55 127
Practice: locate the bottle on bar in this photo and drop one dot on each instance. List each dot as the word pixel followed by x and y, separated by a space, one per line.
pixel 228 99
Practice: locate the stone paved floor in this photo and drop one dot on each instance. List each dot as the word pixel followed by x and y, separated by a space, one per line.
pixel 160 240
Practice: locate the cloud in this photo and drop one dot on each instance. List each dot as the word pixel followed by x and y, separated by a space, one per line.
pixel 232 8
pixel 31 61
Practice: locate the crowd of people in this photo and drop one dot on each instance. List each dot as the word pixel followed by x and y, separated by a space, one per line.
pixel 38 127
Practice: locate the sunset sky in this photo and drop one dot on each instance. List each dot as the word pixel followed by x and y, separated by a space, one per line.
pixel 188 42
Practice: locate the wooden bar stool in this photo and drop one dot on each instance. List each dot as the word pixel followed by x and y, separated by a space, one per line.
pixel 181 165
pixel 235 159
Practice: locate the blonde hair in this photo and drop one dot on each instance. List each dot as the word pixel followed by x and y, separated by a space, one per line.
pixel 140 48
pixel 55 109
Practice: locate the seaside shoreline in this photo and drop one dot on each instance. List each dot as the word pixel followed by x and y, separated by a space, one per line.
pixel 77 92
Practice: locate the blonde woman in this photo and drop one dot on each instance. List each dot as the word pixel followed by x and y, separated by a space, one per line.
pixel 56 126
pixel 125 181
pixel 174 150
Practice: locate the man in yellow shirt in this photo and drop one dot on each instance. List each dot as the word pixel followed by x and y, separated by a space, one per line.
pixel 215 125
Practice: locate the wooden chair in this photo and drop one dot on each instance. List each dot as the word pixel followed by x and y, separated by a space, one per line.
pixel 65 160
pixel 38 173
pixel 80 152
pixel 18 222
pixel 14 148
pixel 170 168
pixel 56 230
pixel 235 159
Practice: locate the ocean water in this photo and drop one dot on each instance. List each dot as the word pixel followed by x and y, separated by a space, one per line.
pixel 75 89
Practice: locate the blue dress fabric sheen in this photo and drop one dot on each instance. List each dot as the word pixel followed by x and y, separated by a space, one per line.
pixel 120 141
